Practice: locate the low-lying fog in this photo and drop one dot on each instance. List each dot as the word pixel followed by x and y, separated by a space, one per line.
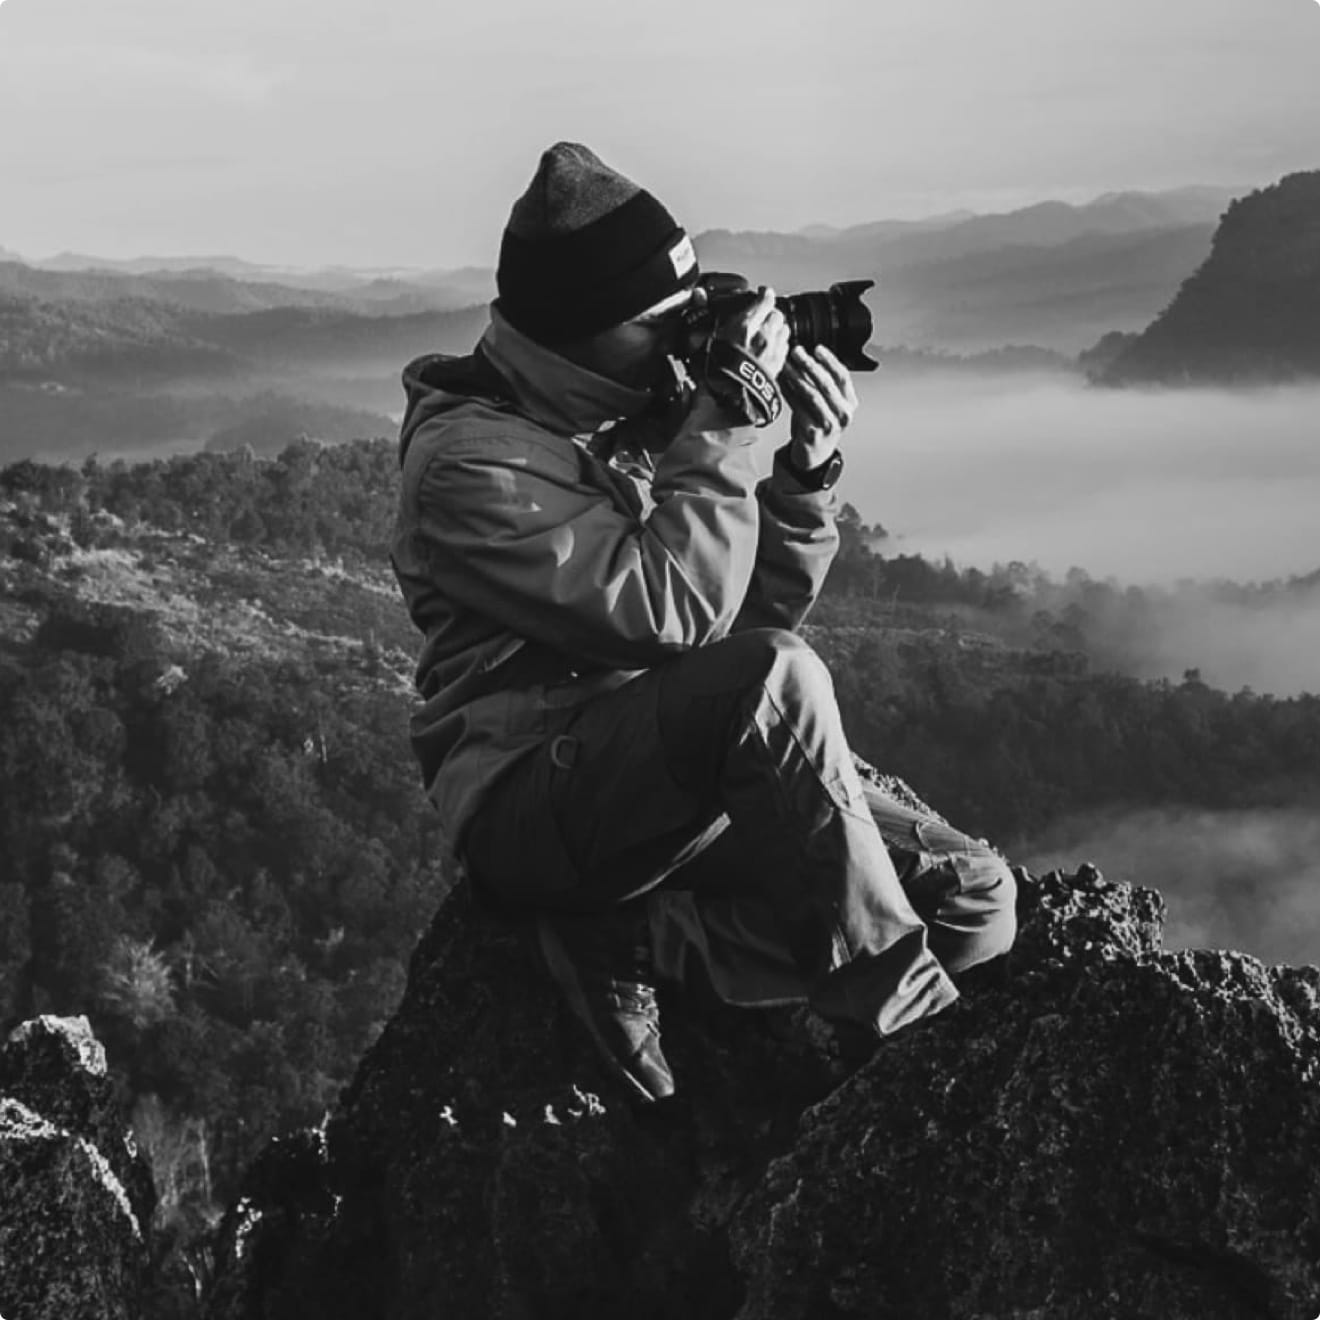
pixel 1144 487
pixel 1242 880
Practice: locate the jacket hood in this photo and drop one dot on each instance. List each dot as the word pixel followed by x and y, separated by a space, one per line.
pixel 437 382
pixel 507 368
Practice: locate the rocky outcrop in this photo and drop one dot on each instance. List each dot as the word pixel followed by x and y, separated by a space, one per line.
pixel 1098 1129
pixel 75 1198
pixel 482 1165
pixel 1251 312
pixel 1119 1135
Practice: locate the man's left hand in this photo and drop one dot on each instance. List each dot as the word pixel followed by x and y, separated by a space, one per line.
pixel 820 391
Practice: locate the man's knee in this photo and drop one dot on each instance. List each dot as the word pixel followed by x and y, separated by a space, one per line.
pixel 984 910
pixel 1002 893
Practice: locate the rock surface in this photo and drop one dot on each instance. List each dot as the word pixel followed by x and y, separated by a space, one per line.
pixel 482 1165
pixel 75 1199
pixel 1098 1129
pixel 1118 1135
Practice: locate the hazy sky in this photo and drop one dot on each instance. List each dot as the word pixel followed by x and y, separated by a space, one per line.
pixel 311 131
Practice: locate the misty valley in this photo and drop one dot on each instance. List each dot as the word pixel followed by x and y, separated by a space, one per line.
pixel 433 882
pixel 1076 607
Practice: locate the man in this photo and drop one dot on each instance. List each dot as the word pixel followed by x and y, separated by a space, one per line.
pixel 623 734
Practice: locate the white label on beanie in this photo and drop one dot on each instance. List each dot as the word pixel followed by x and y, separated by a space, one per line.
pixel 682 255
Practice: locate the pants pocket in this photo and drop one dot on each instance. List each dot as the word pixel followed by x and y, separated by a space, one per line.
pixel 513 846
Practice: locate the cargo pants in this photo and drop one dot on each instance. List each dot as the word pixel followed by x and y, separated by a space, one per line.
pixel 718 790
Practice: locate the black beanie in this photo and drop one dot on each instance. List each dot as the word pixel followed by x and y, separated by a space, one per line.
pixel 586 248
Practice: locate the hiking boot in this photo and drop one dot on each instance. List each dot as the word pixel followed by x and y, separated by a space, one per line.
pixel 602 963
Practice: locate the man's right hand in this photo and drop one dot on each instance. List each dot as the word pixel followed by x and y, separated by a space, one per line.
pixel 761 331
pixel 742 382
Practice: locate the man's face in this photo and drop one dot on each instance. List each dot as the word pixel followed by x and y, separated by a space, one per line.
pixel 637 352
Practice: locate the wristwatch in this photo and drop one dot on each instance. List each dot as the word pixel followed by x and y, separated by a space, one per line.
pixel 822 477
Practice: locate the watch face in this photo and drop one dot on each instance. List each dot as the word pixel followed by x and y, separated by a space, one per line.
pixel 833 471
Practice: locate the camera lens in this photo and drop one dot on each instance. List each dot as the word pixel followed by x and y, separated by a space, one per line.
pixel 838 319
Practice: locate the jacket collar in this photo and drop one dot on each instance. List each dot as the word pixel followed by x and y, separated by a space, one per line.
pixel 561 395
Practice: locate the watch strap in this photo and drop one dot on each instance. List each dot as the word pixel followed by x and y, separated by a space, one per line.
pixel 822 477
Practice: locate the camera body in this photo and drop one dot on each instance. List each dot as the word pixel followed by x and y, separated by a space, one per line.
pixel 837 318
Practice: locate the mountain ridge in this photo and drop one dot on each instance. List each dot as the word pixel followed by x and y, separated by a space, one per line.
pixel 1046 222
pixel 1052 275
pixel 219 293
pixel 1251 311
pixel 1181 204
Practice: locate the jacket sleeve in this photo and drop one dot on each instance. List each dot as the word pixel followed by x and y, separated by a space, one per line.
pixel 797 544
pixel 514 528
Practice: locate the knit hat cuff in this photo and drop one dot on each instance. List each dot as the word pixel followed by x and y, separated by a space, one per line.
pixel 571 285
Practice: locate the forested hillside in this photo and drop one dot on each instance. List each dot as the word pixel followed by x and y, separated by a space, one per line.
pixel 130 337
pixel 212 836
pixel 96 371
pixel 116 341
pixel 1251 312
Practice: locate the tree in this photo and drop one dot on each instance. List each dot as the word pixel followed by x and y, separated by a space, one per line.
pixel 135 983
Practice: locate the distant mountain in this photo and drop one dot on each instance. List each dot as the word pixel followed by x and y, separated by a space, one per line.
pixel 137 376
pixel 320 338
pixel 1045 224
pixel 1053 274
pixel 219 265
pixel 198 290
pixel 1061 297
pixel 1251 312
pixel 1056 223
pixel 137 337
pixel 387 291
pixel 327 278
pixel 214 291
pixel 126 337
pixel 889 228
pixel 466 284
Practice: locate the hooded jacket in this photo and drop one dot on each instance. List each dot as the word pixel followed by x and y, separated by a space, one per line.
pixel 555 536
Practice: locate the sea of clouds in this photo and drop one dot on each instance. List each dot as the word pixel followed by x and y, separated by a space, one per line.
pixel 1145 487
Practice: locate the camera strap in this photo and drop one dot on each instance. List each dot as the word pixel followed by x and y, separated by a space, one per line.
pixel 737 380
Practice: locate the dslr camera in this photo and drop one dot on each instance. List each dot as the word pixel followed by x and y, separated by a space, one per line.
pixel 837 319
